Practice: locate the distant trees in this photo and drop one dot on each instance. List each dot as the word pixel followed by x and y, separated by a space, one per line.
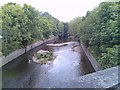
pixel 99 30
pixel 53 24
pixel 0 32
pixel 61 27
pixel 22 26
pixel 65 32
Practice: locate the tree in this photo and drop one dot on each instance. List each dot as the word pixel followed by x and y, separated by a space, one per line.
pixel 22 26
pixel 52 20
pixel 99 30
pixel 14 20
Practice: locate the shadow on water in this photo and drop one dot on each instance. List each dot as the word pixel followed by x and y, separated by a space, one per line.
pixel 12 71
pixel 16 74
pixel 68 64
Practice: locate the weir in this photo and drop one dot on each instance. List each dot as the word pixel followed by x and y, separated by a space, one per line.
pixel 19 73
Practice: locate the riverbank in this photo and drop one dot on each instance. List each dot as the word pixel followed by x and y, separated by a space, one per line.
pixel 52 74
pixel 30 50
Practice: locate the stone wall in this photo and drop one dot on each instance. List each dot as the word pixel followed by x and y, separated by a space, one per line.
pixel 86 55
pixel 31 49
pixel 107 79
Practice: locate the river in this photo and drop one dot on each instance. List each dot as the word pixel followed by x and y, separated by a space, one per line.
pixel 65 67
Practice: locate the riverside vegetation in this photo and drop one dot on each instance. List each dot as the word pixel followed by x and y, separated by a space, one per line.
pixel 43 57
pixel 24 25
pixel 98 29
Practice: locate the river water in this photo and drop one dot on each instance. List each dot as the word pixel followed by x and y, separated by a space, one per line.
pixel 65 67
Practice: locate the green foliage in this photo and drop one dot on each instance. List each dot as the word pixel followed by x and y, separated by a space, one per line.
pixel 33 25
pixel 13 19
pixel 99 30
pixel 110 57
pixel 44 57
pixel 22 26
pixel 46 28
pixel 61 27
pixel 53 23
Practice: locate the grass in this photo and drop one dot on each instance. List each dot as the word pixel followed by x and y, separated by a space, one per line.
pixel 44 57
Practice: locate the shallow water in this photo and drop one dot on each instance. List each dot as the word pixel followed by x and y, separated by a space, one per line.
pixel 65 67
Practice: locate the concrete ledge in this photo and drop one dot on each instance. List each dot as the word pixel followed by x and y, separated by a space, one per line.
pixel 101 79
pixel 90 58
pixel 5 59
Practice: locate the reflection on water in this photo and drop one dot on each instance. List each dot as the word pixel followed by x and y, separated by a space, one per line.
pixel 65 67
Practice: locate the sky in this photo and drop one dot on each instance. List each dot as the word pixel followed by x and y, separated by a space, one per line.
pixel 63 10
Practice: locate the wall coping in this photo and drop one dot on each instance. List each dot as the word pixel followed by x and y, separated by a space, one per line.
pixel 5 59
pixel 92 60
pixel 107 78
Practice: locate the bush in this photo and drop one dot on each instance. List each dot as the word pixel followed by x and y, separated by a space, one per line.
pixel 44 57
pixel 110 58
